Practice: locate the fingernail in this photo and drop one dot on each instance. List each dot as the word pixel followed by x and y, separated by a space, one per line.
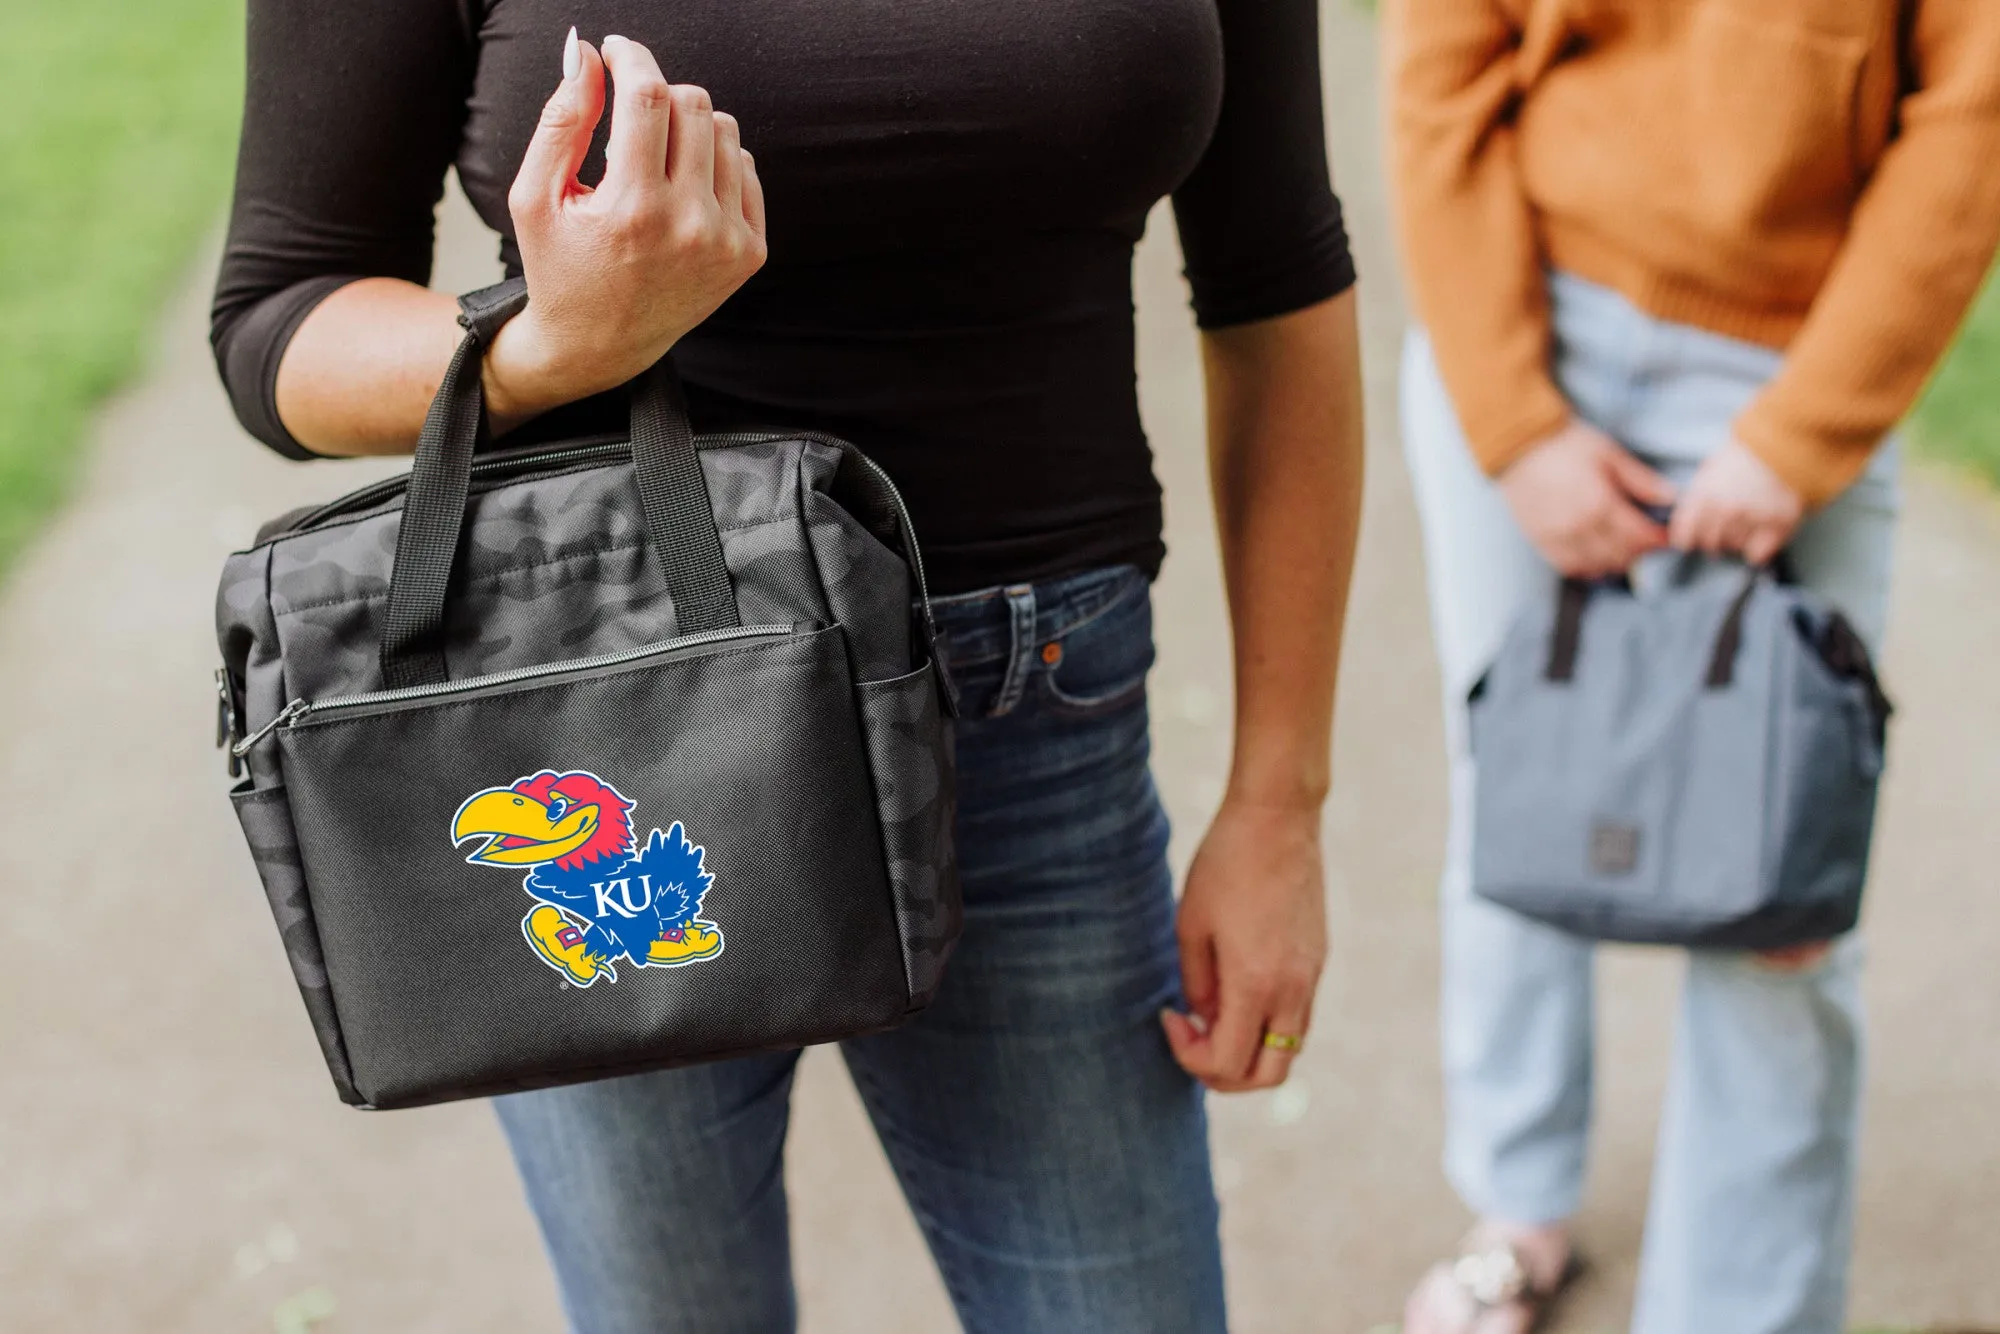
pixel 612 37
pixel 572 58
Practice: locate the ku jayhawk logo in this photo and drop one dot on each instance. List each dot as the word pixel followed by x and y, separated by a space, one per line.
pixel 597 900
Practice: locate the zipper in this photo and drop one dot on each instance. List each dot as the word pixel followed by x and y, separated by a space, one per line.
pixel 909 533
pixel 299 711
pixel 613 446
pixel 227 725
pixel 389 486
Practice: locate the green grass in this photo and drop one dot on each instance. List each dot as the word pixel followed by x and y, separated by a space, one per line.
pixel 1958 419
pixel 117 128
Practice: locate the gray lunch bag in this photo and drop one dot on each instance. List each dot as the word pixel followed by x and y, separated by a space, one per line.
pixel 581 759
pixel 1696 766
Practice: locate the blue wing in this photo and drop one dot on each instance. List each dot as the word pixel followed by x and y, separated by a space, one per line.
pixel 679 882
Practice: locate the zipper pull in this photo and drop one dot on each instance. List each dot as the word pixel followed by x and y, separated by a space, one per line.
pixel 225 710
pixel 226 722
pixel 285 715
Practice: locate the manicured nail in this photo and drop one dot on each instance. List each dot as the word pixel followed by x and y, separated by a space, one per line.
pixel 572 59
pixel 613 37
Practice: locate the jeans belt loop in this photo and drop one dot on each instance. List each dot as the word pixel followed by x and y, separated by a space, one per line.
pixel 1020 651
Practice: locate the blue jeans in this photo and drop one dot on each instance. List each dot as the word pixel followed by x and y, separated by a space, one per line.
pixel 1748 1228
pixel 1054 1155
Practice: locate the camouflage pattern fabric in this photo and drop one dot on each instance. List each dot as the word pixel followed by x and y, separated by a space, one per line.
pixel 274 846
pixel 557 567
pixel 910 756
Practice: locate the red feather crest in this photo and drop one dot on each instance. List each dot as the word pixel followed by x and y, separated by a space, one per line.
pixel 612 840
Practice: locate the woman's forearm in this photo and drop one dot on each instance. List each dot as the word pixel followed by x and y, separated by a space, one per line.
pixel 1285 460
pixel 360 371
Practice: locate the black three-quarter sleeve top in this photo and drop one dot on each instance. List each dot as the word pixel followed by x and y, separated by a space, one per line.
pixel 953 189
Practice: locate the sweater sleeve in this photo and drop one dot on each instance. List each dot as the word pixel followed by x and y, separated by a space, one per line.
pixel 1469 248
pixel 1260 227
pixel 1916 251
pixel 352 113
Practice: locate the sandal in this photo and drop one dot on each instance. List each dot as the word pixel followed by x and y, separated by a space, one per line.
pixel 1488 1275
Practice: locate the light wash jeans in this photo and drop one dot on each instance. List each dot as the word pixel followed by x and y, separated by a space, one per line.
pixel 1054 1155
pixel 1750 1217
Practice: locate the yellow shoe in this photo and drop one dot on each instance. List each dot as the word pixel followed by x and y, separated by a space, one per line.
pixel 688 944
pixel 558 941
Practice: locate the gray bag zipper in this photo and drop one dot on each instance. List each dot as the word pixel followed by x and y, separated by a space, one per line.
pixel 299 712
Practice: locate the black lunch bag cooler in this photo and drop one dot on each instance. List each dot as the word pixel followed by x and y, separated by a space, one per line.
pixel 584 759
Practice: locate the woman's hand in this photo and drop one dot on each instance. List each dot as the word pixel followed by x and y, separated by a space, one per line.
pixel 1736 504
pixel 617 274
pixel 1252 933
pixel 1577 496
pixel 1286 464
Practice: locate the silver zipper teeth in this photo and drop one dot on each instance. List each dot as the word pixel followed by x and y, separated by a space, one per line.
pixel 300 708
pixel 388 487
pixel 382 490
pixel 909 531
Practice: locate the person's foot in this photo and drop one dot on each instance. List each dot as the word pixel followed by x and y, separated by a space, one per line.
pixel 1500 1282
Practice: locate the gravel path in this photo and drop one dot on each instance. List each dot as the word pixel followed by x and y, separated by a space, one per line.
pixel 177 1159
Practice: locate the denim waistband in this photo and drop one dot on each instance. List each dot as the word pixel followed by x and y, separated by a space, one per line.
pixel 994 640
pixel 996 624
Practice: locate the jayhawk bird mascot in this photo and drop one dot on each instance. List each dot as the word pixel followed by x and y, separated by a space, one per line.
pixel 597 899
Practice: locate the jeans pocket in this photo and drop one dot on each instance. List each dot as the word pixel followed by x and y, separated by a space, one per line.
pixel 1099 666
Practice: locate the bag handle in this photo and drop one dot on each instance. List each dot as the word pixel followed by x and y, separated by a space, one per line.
pixel 673 498
pixel 1729 639
pixel 1574 595
pixel 1571 598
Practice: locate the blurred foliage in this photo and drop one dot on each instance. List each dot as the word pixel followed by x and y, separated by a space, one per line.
pixel 117 128
pixel 1959 418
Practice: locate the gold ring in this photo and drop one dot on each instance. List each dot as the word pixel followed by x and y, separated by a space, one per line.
pixel 1282 1041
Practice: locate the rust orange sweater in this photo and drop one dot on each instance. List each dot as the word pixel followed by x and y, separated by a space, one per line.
pixel 1816 175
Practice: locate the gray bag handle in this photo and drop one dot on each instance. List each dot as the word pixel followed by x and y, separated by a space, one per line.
pixel 1729 639
pixel 1571 598
pixel 1574 595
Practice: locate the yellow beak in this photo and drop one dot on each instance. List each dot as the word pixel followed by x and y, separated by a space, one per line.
pixel 518 830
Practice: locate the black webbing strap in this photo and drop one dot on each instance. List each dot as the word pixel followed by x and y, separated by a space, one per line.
pixel 1568 635
pixel 482 313
pixel 412 649
pixel 674 497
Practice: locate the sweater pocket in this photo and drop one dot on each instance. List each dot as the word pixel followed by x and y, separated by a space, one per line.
pixel 1772 122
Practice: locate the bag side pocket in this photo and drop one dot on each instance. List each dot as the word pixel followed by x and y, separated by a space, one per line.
pixel 1828 748
pixel 266 817
pixel 910 759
